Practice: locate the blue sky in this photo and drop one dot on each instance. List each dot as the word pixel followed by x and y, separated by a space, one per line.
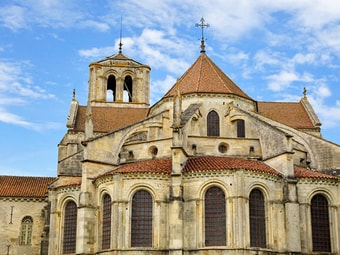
pixel 271 49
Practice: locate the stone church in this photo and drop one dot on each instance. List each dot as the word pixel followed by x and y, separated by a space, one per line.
pixel 205 170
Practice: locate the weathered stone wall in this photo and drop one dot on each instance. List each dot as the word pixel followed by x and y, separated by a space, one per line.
pixel 12 212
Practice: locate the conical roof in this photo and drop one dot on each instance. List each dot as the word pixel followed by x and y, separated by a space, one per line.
pixel 204 76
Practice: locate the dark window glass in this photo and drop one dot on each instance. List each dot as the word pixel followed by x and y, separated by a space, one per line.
pixel 111 88
pixel 215 217
pixel 240 128
pixel 106 222
pixel 26 230
pixel 257 219
pixel 128 88
pixel 141 220
pixel 213 124
pixel 70 228
pixel 320 224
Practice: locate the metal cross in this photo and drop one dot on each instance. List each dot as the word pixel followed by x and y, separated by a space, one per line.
pixel 202 24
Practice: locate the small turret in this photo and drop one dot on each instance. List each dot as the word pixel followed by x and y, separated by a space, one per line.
pixel 71 118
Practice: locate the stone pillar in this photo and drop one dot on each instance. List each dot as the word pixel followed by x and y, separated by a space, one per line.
pixel 292 216
pixel 176 215
pixel 86 220
pixel 119 89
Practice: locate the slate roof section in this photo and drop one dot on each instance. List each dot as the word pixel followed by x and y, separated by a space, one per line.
pixel 204 76
pixel 187 114
pixel 106 119
pixel 24 186
pixel 291 114
pixel 300 172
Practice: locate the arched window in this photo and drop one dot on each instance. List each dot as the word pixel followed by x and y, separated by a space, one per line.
pixel 213 124
pixel 70 228
pixel 320 224
pixel 106 222
pixel 241 132
pixel 127 96
pixel 215 217
pixel 111 88
pixel 141 220
pixel 257 219
pixel 26 230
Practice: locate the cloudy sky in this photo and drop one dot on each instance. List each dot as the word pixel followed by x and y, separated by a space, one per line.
pixel 271 49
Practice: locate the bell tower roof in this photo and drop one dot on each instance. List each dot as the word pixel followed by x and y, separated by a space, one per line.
pixel 120 58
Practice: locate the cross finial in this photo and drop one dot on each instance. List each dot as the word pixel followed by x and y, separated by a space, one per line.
pixel 74 94
pixel 120 40
pixel 202 24
pixel 304 92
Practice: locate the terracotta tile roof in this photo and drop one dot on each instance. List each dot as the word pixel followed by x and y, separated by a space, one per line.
pixel 157 166
pixel 194 164
pixel 66 181
pixel 22 186
pixel 291 114
pixel 204 76
pixel 106 119
pixel 199 164
pixel 300 172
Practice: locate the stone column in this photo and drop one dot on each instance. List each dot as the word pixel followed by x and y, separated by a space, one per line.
pixel 292 216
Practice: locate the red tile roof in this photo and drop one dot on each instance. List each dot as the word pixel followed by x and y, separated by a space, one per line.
pixel 204 76
pixel 300 172
pixel 22 186
pixel 199 164
pixel 106 119
pixel 66 181
pixel 195 164
pixel 291 114
pixel 157 166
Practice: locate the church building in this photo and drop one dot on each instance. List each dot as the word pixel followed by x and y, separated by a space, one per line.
pixel 205 170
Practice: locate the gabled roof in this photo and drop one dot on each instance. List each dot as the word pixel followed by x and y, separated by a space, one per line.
pixel 106 119
pixel 291 114
pixel 204 76
pixel 24 186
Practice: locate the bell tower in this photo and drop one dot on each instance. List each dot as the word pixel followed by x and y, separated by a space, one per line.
pixel 119 81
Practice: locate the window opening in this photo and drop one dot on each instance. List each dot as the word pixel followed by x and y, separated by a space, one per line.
pixel 127 97
pixel 26 230
pixel 111 88
pixel 215 217
pixel 240 128
pixel 70 228
pixel 106 222
pixel 141 220
pixel 222 147
pixel 320 224
pixel 213 124
pixel 257 219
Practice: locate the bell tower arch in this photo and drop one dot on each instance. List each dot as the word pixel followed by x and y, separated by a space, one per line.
pixel 119 81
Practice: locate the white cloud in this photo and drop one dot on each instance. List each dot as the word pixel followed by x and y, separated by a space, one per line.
pixel 10 118
pixel 18 89
pixel 13 17
pixel 284 79
pixel 100 26
pixel 160 87
pixel 96 52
